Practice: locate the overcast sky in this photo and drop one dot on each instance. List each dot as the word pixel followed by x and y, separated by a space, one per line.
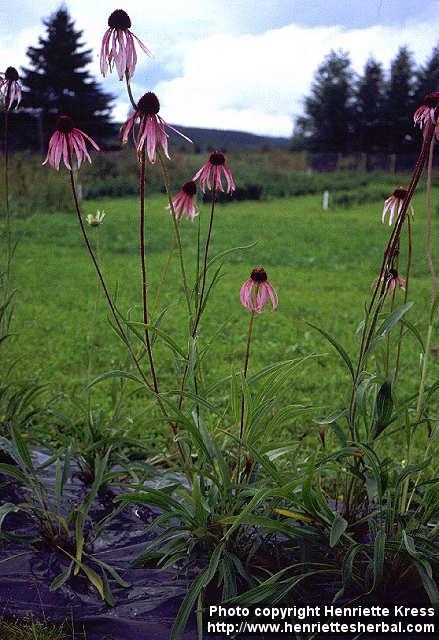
pixel 233 64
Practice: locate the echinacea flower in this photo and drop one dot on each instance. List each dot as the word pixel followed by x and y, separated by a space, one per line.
pixel 66 142
pixel 256 290
pixel 118 46
pixel 427 112
pixel 183 203
pixel 393 279
pixel 151 127
pixel 211 173
pixel 10 87
pixel 95 221
pixel 394 204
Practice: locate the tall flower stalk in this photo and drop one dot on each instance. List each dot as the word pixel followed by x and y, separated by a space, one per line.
pixel 11 91
pixel 143 271
pixel 380 289
pixel 254 295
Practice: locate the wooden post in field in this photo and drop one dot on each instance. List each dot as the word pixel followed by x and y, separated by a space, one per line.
pixel 362 165
pixel 325 200
pixel 392 163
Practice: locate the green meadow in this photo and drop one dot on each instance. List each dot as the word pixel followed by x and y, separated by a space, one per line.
pixel 323 264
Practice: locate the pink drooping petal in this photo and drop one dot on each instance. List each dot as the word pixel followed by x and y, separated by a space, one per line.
pixel 126 128
pixel 203 175
pixel 103 59
pixel 142 46
pixel 261 297
pixel 118 50
pixel 245 294
pixel 272 294
pixel 184 206
pixel 230 182
pixel 392 204
pixel 67 145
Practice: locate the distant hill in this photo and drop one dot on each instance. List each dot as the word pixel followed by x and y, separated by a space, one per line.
pixel 211 139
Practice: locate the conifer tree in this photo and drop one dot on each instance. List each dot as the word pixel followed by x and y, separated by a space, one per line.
pixel 400 103
pixel 327 122
pixel 369 124
pixel 427 77
pixel 57 81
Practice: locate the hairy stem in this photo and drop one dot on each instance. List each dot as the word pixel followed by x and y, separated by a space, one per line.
pixel 205 261
pixel 143 272
pixel 428 223
pixel 7 207
pixel 177 235
pixel 406 292
pixel 110 302
pixel 392 244
pixel 246 361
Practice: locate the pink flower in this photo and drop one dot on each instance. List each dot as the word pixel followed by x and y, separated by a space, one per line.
pixel 212 172
pixel 66 141
pixel 256 290
pixel 427 112
pixel 394 203
pixel 10 87
pixel 118 47
pixel 393 280
pixel 183 203
pixel 151 127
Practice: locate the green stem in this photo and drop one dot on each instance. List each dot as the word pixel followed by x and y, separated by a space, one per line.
pixel 7 208
pixel 164 274
pixel 111 305
pixel 95 309
pixel 143 271
pixel 130 94
pixel 406 293
pixel 206 257
pixel 246 361
pixel 388 254
pixel 177 234
pixel 419 404
pixel 428 223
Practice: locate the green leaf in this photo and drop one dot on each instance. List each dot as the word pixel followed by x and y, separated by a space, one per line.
pixel 415 331
pixel 5 509
pixel 387 326
pixel 13 472
pixel 379 548
pixel 60 579
pixel 338 347
pixel 383 408
pixel 339 526
pixel 429 584
pixel 194 591
pixel 114 374
pixel 226 252
pixel 21 446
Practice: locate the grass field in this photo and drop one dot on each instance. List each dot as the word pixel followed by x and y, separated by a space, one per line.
pixel 322 263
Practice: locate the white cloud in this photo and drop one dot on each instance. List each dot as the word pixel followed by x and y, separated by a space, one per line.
pixel 258 81
pixel 207 71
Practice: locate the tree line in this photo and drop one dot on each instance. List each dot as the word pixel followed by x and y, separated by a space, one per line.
pixel 373 112
pixel 57 81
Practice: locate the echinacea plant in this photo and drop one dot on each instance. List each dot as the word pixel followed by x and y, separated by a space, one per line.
pixel 67 142
pixel 151 127
pixel 183 203
pixel 10 87
pixel 118 46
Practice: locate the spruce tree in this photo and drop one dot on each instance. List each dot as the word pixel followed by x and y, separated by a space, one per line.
pixel 370 133
pixel 400 103
pixel 57 81
pixel 327 122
